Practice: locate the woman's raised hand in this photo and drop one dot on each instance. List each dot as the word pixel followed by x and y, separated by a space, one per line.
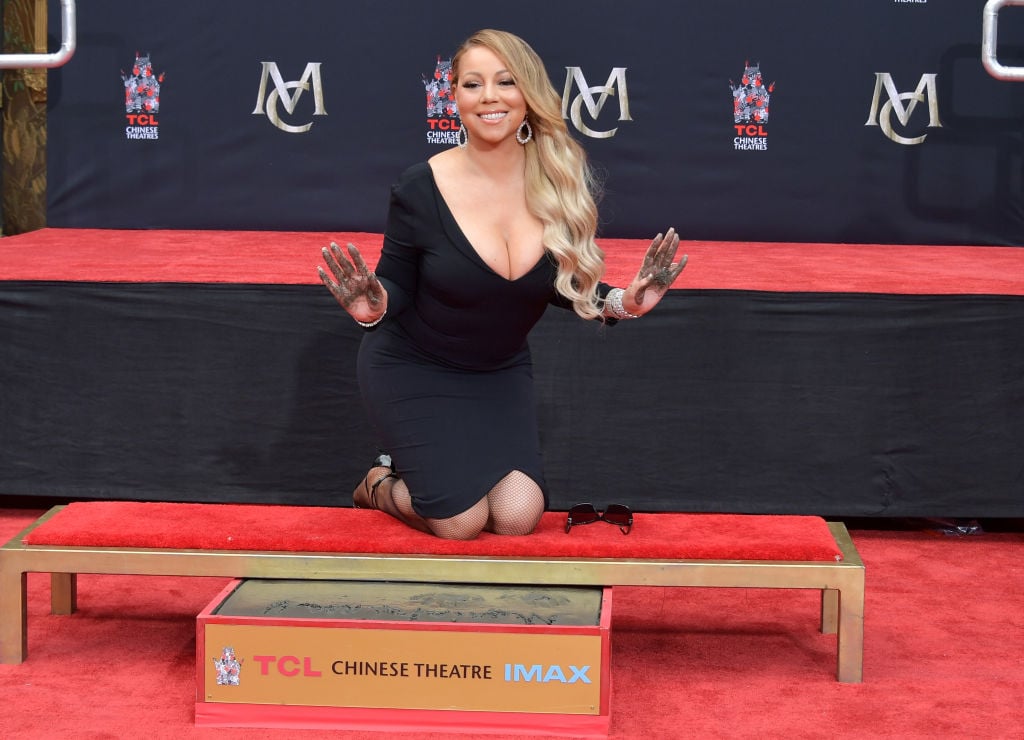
pixel 353 286
pixel 656 275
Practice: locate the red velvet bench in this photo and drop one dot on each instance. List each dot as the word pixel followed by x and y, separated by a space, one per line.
pixel 315 543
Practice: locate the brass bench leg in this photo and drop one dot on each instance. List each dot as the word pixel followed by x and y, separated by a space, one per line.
pixel 842 608
pixel 13 615
pixel 851 635
pixel 63 593
pixel 829 611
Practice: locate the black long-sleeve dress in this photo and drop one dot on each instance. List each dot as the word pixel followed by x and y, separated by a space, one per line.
pixel 447 377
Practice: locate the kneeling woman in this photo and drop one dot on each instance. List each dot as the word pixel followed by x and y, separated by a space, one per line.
pixel 479 240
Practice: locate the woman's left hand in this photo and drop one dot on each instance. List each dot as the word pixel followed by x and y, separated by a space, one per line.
pixel 657 273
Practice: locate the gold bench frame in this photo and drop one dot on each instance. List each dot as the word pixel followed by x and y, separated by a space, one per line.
pixel 841 583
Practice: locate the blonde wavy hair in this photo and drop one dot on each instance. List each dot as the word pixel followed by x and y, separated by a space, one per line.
pixel 560 186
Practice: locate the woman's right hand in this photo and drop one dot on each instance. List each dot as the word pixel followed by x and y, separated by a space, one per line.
pixel 354 286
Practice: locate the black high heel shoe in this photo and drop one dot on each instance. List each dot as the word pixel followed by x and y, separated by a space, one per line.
pixel 382 460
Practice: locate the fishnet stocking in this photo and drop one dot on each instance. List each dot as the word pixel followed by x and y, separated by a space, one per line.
pixel 464 526
pixel 403 500
pixel 516 504
pixel 513 507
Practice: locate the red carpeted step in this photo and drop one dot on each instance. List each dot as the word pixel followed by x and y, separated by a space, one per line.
pixel 290 258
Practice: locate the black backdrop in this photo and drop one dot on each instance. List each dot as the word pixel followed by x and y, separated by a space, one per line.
pixel 832 404
pixel 841 73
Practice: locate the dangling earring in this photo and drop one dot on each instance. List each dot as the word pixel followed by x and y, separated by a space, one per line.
pixel 520 136
pixel 462 137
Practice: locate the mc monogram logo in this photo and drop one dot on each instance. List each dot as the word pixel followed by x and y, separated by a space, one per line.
pixel 881 115
pixel 282 95
pixel 571 107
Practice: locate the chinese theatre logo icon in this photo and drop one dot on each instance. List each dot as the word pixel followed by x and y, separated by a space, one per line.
pixel 442 113
pixel 750 108
pixel 229 668
pixel 142 99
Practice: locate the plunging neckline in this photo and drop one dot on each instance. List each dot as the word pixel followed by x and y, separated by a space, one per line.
pixel 462 235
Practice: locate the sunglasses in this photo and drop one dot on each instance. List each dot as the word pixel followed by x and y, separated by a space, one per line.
pixel 617 514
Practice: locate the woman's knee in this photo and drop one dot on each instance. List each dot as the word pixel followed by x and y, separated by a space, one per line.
pixel 516 505
pixel 520 523
pixel 464 526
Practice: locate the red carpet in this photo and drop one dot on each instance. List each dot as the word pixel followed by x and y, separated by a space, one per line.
pixel 944 627
pixel 290 258
pixel 321 529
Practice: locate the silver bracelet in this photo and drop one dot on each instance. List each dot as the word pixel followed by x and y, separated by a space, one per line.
pixel 614 302
pixel 371 324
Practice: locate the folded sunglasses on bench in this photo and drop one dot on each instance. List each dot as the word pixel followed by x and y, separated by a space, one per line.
pixel 617 514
